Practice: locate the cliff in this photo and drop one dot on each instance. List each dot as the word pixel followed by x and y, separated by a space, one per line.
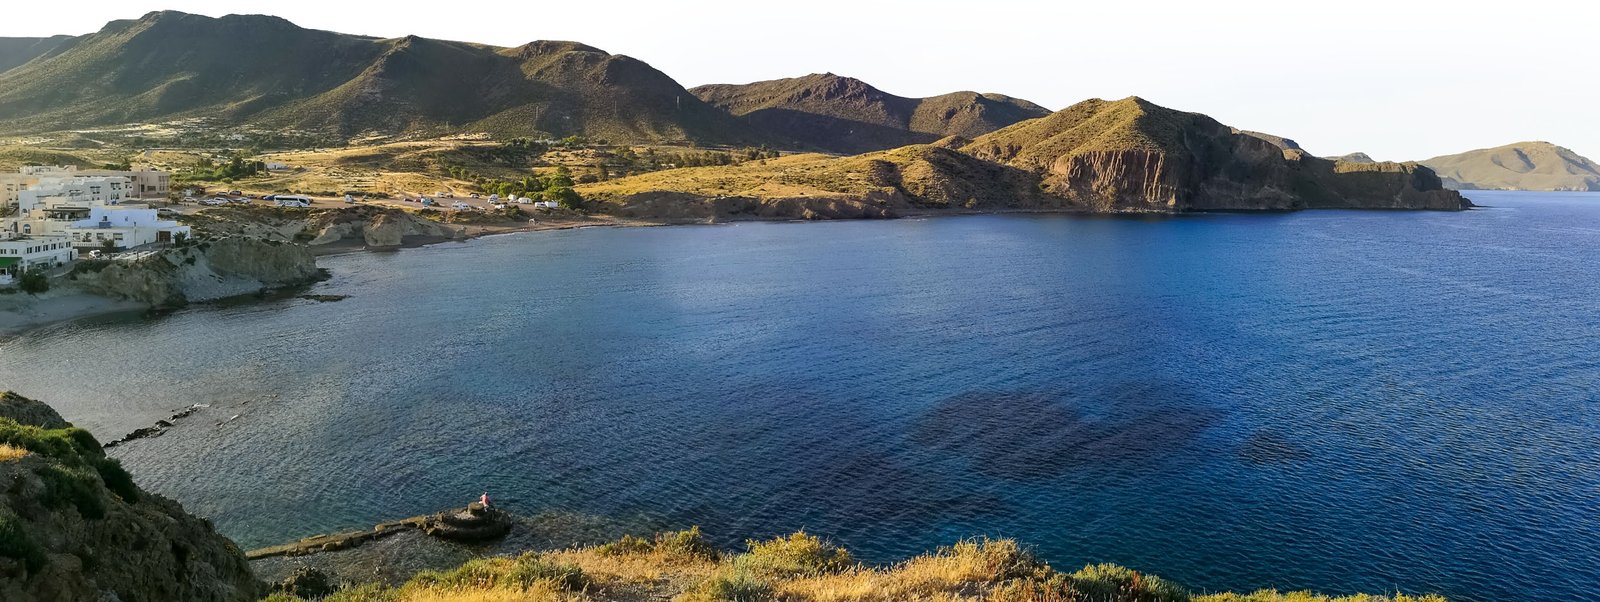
pixel 361 225
pixel 74 526
pixel 1132 155
pixel 201 271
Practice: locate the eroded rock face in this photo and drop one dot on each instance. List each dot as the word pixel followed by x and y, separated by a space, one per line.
pixel 203 271
pixel 1134 156
pixel 74 527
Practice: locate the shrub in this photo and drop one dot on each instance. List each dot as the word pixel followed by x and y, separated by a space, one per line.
pixel 732 586
pixel 15 543
pixel 799 554
pixel 74 487
pixel 1112 583
pixel 117 479
pixel 33 282
pixel 371 592
pixel 489 573
pixel 687 545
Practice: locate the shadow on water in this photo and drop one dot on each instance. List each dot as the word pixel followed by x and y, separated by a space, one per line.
pixel 1270 447
pixel 1042 435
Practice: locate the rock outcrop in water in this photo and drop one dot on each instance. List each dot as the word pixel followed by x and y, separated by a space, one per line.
pixel 201 271
pixel 74 527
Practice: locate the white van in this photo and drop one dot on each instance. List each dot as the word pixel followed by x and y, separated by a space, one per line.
pixel 292 200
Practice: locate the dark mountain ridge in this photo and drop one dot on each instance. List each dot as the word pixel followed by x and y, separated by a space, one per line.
pixel 265 72
pixel 846 115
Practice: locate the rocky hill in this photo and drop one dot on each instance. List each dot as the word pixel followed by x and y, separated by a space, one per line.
pixel 846 115
pixel 74 526
pixel 1519 166
pixel 1126 156
pixel 1134 155
pixel 265 72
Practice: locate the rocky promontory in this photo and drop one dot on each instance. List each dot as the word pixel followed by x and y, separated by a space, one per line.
pixel 1125 156
pixel 199 271
pixel 74 526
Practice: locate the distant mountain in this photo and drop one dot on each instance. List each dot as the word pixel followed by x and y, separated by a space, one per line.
pixel 1134 155
pixel 846 115
pixel 1519 166
pixel 1355 158
pixel 16 51
pixel 261 71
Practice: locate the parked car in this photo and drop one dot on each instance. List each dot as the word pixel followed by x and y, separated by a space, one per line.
pixel 189 199
pixel 499 205
pixel 214 202
pixel 349 200
pixel 460 206
pixel 270 197
pixel 235 193
pixel 166 211
pixel 474 195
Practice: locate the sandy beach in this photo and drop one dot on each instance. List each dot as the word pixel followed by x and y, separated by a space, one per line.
pixel 20 312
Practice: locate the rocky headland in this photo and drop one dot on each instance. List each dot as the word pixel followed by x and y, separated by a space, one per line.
pixel 205 270
pixel 74 526
pixel 1125 156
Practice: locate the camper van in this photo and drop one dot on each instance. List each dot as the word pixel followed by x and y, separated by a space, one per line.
pixel 292 200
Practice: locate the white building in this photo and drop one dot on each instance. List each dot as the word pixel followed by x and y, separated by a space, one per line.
pixel 87 211
pixel 139 183
pixel 77 190
pixel 91 227
pixel 20 253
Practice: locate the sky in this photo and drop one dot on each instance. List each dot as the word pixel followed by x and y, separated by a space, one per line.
pixel 1396 79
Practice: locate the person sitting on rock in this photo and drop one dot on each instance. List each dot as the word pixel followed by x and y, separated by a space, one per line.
pixel 484 499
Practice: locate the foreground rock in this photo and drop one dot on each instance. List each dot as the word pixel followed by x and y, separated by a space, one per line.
pixel 471 525
pixel 202 271
pixel 73 526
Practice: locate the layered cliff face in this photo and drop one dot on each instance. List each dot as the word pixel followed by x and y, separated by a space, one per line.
pixel 203 271
pixel 74 527
pixel 1134 156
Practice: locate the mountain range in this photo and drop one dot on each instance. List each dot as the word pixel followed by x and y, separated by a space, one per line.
pixel 847 115
pixel 263 73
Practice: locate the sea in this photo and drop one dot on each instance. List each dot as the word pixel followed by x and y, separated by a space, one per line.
pixel 1344 401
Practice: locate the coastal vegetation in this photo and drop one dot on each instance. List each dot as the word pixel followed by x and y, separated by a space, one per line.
pixel 682 567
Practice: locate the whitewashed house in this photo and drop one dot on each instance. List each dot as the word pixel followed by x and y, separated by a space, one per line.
pixel 19 253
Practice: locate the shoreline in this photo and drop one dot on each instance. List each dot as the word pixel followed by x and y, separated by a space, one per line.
pixel 22 313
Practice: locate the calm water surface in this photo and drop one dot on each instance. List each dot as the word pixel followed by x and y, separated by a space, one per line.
pixel 1345 401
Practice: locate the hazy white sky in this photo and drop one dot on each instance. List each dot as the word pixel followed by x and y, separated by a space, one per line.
pixel 1395 78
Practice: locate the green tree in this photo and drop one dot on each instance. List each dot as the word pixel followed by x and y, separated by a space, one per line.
pixel 34 281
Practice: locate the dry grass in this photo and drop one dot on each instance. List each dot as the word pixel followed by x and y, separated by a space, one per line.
pixel 796 568
pixel 10 452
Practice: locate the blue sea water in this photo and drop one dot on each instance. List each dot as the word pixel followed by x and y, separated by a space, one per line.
pixel 1335 400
